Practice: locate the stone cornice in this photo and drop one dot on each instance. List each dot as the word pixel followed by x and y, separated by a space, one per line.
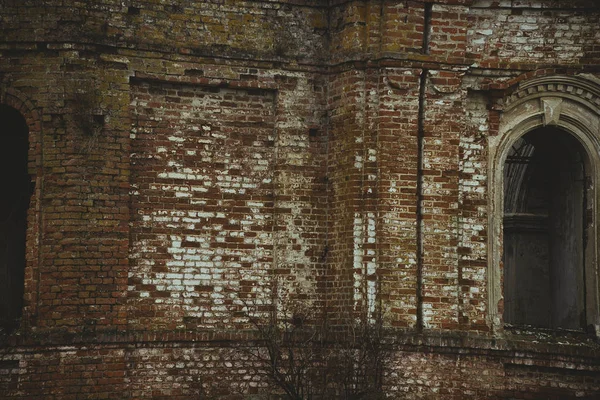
pixel 584 88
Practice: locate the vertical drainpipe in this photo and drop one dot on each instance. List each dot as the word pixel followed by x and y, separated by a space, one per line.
pixel 420 145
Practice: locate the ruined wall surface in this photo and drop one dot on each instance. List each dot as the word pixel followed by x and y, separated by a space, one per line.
pixel 199 163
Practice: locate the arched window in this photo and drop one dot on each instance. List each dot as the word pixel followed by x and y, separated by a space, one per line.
pixel 14 202
pixel 544 206
pixel 544 236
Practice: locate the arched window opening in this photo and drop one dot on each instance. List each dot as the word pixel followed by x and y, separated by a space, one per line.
pixel 14 202
pixel 545 231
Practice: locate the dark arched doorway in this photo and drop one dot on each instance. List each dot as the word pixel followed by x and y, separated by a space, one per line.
pixel 14 202
pixel 544 231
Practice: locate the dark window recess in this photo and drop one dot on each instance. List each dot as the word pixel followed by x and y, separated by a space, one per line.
pixel 14 202
pixel 544 231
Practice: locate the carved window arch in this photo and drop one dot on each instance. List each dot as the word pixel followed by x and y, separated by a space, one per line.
pixel 544 202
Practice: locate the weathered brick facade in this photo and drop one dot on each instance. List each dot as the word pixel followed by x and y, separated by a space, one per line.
pixel 185 155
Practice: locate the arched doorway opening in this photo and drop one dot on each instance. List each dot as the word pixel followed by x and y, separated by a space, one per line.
pixel 14 203
pixel 545 202
pixel 560 115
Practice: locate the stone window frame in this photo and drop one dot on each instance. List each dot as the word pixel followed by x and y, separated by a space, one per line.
pixel 571 103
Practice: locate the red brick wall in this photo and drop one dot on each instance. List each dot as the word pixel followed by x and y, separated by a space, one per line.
pixel 187 156
pixel 203 170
